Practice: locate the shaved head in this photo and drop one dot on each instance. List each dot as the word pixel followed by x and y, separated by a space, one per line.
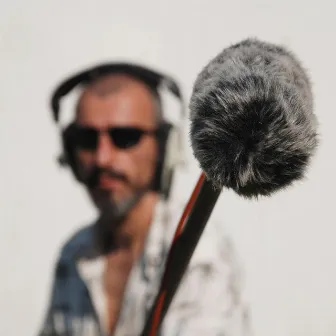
pixel 114 83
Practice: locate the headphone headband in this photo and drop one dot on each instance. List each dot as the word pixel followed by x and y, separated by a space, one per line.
pixel 171 147
pixel 151 77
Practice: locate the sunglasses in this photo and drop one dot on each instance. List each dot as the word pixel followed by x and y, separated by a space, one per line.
pixel 122 137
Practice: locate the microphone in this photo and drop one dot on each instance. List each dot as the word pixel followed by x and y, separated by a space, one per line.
pixel 252 130
pixel 252 124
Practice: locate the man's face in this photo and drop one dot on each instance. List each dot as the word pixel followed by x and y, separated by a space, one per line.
pixel 121 164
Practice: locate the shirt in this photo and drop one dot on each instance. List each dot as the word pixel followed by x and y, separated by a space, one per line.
pixel 209 300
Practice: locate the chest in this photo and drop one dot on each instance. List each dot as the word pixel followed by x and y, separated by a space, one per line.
pixel 122 290
pixel 115 276
pixel 116 271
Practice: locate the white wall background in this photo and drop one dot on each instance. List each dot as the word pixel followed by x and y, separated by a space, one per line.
pixel 287 243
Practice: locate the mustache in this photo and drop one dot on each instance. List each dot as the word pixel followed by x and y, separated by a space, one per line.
pixel 93 178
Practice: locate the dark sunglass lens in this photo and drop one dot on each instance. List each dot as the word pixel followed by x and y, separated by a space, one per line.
pixel 86 138
pixel 125 137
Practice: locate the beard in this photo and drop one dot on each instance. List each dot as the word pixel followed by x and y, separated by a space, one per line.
pixel 111 207
pixel 112 212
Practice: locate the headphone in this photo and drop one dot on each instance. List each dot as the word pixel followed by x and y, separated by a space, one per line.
pixel 170 139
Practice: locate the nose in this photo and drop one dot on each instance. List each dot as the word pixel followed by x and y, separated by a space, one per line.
pixel 105 151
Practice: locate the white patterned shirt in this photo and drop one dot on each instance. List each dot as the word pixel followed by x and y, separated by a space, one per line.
pixel 208 302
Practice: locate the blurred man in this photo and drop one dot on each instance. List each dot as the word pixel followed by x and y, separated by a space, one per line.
pixel 108 273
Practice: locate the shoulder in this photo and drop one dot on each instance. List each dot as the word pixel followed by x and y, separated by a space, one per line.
pixel 216 254
pixel 68 290
pixel 77 245
pixel 212 290
pixel 215 249
pixel 66 264
pixel 79 242
pixel 215 270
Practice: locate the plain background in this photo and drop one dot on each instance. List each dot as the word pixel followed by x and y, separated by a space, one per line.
pixel 286 242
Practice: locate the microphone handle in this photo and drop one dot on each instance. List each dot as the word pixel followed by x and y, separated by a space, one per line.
pixel 182 253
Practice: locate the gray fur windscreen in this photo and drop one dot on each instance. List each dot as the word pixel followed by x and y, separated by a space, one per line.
pixel 252 123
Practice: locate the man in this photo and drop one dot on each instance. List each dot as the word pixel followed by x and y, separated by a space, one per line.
pixel 108 273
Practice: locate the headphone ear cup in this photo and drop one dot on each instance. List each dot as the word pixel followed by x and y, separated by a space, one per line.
pixel 171 159
pixel 169 143
pixel 68 156
pixel 162 140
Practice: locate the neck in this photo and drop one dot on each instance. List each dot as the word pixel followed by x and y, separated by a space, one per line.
pixel 131 232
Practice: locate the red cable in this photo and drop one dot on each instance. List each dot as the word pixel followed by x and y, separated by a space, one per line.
pixel 178 231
